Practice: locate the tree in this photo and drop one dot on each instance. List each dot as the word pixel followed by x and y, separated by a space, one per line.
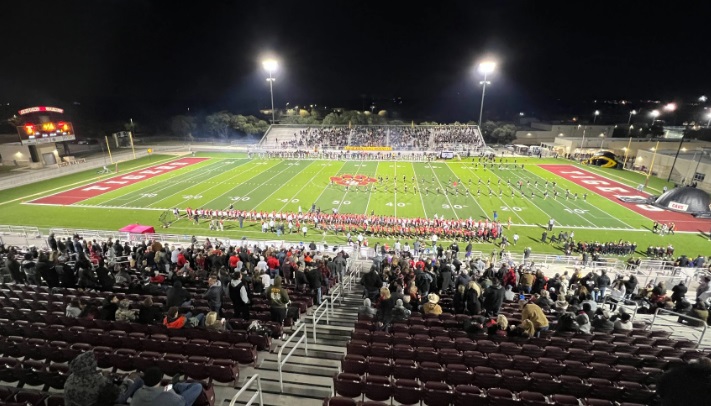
pixel 504 133
pixel 487 128
pixel 183 126
pixel 219 123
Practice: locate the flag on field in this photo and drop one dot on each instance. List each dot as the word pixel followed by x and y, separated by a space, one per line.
pixel 455 184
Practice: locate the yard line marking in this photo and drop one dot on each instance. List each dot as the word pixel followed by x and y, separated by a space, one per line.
pixel 420 193
pixel 281 184
pixel 370 193
pixel 343 163
pixel 309 182
pixel 429 165
pixel 348 188
pixel 170 182
pixel 500 198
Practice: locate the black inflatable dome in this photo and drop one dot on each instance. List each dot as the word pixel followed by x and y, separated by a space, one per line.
pixel 685 200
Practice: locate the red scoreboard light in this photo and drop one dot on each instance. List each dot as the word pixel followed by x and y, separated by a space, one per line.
pixel 42 133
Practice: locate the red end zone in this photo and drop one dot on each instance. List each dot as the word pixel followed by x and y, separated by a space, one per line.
pixel 107 185
pixel 611 190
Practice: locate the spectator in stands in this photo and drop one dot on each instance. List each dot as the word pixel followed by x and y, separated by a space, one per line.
pixel 500 327
pixel 214 294
pixel 124 313
pixel 702 292
pixel 631 286
pixel 459 300
pixel 29 267
pixel 15 268
pixel 509 294
pixel 123 278
pixel 686 385
pixel 74 309
pixel 698 311
pixel 105 277
pixel 46 271
pixel 601 321
pixel 87 386
pixel 87 277
pixel 316 280
pixel 279 301
pixel 678 293
pixel 177 296
pixel 534 313
pixel 493 298
pixel 618 291
pixel 152 394
pixel 108 308
pixel 213 323
pixel 174 320
pixel 624 322
pixel 239 294
pixel 67 275
pixel 583 321
pixel 432 306
pixel 544 300
pixel 385 306
pixel 367 309
pixel 400 313
pixel 567 323
pixel 147 313
pixel 372 282
pixel 472 298
pixel 527 280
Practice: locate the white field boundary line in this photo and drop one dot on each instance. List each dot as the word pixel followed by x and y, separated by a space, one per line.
pixel 222 183
pixel 132 196
pixel 573 203
pixel 64 188
pixel 500 198
pixel 592 192
pixel 555 200
pixel 417 182
pixel 256 164
pixel 308 183
pixel 199 174
pixel 429 165
pixel 475 200
pixel 285 183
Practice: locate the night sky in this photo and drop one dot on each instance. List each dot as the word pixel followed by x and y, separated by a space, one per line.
pixel 148 58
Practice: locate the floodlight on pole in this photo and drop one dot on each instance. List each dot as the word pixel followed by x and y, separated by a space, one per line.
pixel 703 98
pixel 486 68
pixel 654 114
pixel 670 107
pixel 271 65
pixel 632 113
pixel 595 114
pixel 708 123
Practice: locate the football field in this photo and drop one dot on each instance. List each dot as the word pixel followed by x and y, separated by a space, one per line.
pixel 519 194
pixel 525 192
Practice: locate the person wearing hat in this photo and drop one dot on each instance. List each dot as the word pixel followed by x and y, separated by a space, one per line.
pixel 561 306
pixel 432 306
pixel 601 321
pixel 400 313
pixel 151 393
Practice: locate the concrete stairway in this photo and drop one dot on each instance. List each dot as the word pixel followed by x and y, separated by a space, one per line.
pixel 307 379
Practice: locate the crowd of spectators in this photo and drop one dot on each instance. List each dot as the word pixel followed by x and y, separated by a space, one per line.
pixel 398 137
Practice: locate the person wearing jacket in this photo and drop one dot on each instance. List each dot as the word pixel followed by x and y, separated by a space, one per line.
pixel 432 306
pixel 316 279
pixel 151 393
pixel 124 313
pixel 279 300
pixel 174 320
pixel 214 294
pixel 147 313
pixel 471 298
pixel 239 296
pixel 603 282
pixel 399 312
pixel 493 298
pixel 108 308
pixel 534 313
pixel 177 296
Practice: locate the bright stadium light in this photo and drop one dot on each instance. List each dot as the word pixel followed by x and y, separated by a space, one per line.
pixel 670 107
pixel 654 114
pixel 486 67
pixel 595 114
pixel 271 65
pixel 632 113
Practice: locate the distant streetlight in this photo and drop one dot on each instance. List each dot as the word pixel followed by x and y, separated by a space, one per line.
pixel 629 119
pixel 595 114
pixel 271 65
pixel 654 114
pixel 703 98
pixel 486 68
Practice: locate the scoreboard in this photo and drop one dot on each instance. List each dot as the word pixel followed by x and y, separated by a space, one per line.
pixel 44 133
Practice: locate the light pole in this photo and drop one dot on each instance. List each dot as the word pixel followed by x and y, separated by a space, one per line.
pixel 602 139
pixel 654 114
pixel 708 123
pixel 629 119
pixel 595 114
pixel 271 65
pixel 486 68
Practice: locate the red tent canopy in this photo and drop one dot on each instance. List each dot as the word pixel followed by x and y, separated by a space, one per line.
pixel 138 229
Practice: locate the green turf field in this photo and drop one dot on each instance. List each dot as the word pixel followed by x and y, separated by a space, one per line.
pixel 286 185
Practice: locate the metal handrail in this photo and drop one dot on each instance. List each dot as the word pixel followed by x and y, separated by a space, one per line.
pixel 685 316
pixel 245 387
pixel 325 311
pixel 336 293
pixel 623 303
pixel 281 363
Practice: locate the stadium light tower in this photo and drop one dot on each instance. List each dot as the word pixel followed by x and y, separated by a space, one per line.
pixel 632 113
pixel 595 114
pixel 486 67
pixel 271 65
